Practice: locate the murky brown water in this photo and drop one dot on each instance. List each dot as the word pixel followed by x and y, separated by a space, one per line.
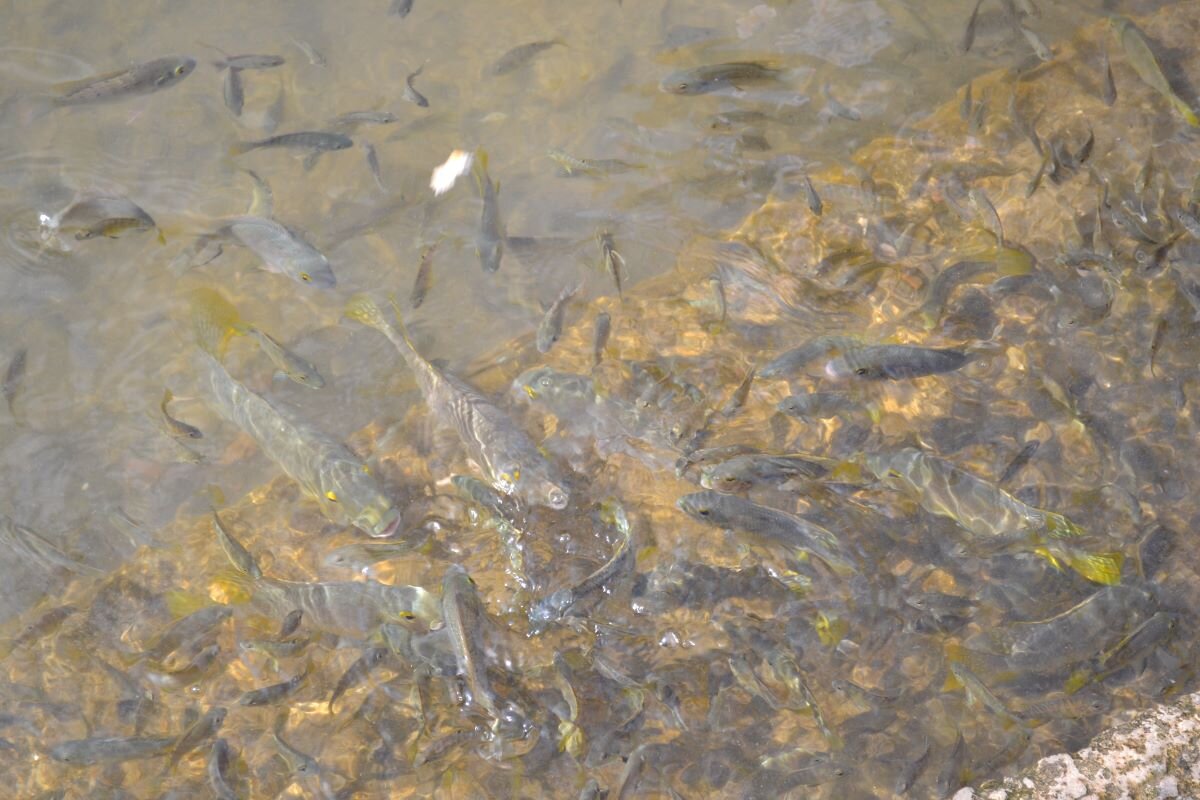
pixel 714 660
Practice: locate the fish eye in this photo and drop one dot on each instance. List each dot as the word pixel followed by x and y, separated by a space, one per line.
pixel 180 69
pixel 860 371
pixel 682 86
pixel 366 469
pixel 544 382
pixel 704 512
pixel 304 276
pixel 407 615
pixel 332 496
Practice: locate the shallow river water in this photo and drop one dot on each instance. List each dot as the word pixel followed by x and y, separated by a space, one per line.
pixel 790 398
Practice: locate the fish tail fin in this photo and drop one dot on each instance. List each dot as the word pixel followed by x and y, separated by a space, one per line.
pixel 214 321
pixel 1186 112
pixel 1102 568
pixel 361 308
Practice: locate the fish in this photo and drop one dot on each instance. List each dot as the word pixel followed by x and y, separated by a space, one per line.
pixel 140 79
pixel 818 405
pixel 731 511
pixel 990 515
pixel 913 767
pixel 1141 58
pixel 45 624
pixel 984 206
pixel 610 260
pixel 345 488
pixel 465 618
pixel 713 77
pixel 187 631
pixel 792 361
pixel 508 458
pixel 814 201
pixel 311 53
pixel 954 772
pixel 316 141
pixel 290 364
pixel 424 278
pixel 268 695
pixel 489 241
pixel 17 540
pixel 281 249
pixel 234 92
pixel 718 292
pixel 571 601
pixel 1108 86
pixel 373 164
pixel 108 749
pixel 1040 48
pixel 109 216
pixel 550 328
pixel 571 166
pixel 600 337
pixel 968 38
pixel 357 672
pixel 352 119
pixel 521 55
pixel 788 673
pixel 290 623
pixel 13 376
pixel 742 473
pixel 299 763
pixel 747 678
pixel 177 427
pixel 201 730
pixel 400 8
pixel 483 495
pixel 238 555
pixel 1076 705
pixel 1137 646
pixel 437 748
pixel 275 650
pixel 838 109
pixel 217 763
pixel 1019 461
pixel 737 398
pixel 1009 261
pixel 410 92
pixel 894 362
pixel 977 692
pixel 361 555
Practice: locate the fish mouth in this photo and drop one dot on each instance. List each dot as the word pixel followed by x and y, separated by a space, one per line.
pixel 386 526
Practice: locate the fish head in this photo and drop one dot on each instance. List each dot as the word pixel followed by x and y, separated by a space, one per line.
pixel 318 273
pixel 703 506
pixel 563 393
pixel 170 71
pixel 350 490
pixel 682 83
pixel 721 478
pixel 536 486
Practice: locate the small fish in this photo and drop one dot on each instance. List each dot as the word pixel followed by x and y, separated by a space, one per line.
pixel 731 511
pixel 234 550
pixel 201 730
pixel 954 773
pixel 282 249
pixel 290 623
pixel 1141 58
pixel 439 747
pixel 357 672
pixel 1040 48
pixel 373 164
pixel 737 398
pixel 1160 330
pixel 520 56
pixel 975 123
pixel 161 73
pixel 964 109
pixel 983 205
pixel 718 290
pixel 275 650
pixel 186 631
pixel 103 749
pixel 818 405
pixel 46 623
pixel 424 278
pixel 792 361
pixel 273 693
pixel 550 328
pixel 489 242
pixel 1036 180
pixel 247 61
pixel 290 364
pixel 571 166
pixel 311 53
pixel 1019 461
pixel 713 77
pixel 316 141
pixel 894 362
pixel 218 762
pixel 600 337
pixel 1108 86
pixel 914 765
pixel 13 377
pixel 410 92
pixel 977 693
pixel 610 260
pixel 102 216
pixel 234 92
pixel 839 109
pixel 969 33
pixel 741 473
pixel 177 428
pixel 814 201
pixel 1139 644
pixel 18 540
pixel 353 119
pixel 747 678
pixel 300 763
pixel 400 8
pixel 465 619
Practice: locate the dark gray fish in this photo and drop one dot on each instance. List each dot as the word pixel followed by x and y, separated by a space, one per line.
pixel 969 33
pixel 489 241
pixel 234 550
pixel 1019 461
pixel 218 762
pixel 273 693
pixel 246 61
pixel 353 119
pixel 713 77
pixel 794 360
pixel 1108 86
pixel 912 769
pixel 818 405
pixel 357 672
pixel 895 362
pixel 968 103
pixel 951 775
pixel 316 141
pixel 235 93
pixel 600 337
pixel 373 164
pixel 520 56
pixel 187 630
pixel 550 328
pixel 410 92
pixel 300 763
pixel 200 731
pixel 983 205
pixel 177 427
pixel 741 473
pixel 738 398
pixel 400 8
pixel 1040 48
pixel 19 540
pixel 814 200
pixel 161 73
pixel 731 511
pixel 424 278
pixel 105 749
pixel 13 376
pixel 45 624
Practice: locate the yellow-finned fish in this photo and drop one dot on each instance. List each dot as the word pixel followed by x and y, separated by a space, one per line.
pixel 1142 59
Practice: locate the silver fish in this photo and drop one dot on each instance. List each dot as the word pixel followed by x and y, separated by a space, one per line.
pixel 234 92
pixel 290 364
pixel 550 329
pixel 316 141
pixel 19 540
pixel 714 77
pixel 234 551
pixel 465 619
pixel 203 728
pixel 357 672
pixel 489 241
pixel 741 473
pixel 273 693
pixel 520 56
pixel 410 92
pixel 894 362
pixel 104 749
pixel 282 249
pixel 161 73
